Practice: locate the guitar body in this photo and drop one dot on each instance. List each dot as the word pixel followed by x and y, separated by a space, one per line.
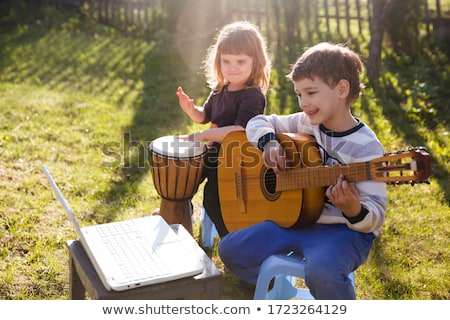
pixel 247 188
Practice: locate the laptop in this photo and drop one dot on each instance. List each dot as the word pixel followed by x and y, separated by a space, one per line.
pixel 135 252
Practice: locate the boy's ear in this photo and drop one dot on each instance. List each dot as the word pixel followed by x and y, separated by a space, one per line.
pixel 343 87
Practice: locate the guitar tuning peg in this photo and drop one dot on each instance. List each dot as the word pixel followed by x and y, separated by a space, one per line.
pixel 412 183
pixel 418 148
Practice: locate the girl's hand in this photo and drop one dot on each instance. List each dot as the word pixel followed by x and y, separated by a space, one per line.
pixel 195 137
pixel 183 137
pixel 344 196
pixel 186 103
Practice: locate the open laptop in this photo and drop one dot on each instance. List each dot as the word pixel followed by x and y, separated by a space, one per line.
pixel 136 252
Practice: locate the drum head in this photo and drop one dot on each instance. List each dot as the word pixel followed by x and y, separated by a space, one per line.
pixel 172 147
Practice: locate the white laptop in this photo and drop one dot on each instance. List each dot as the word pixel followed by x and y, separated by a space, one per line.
pixel 136 252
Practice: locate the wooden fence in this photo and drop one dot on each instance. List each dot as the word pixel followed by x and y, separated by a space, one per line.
pixel 282 21
pixel 437 19
pixel 347 18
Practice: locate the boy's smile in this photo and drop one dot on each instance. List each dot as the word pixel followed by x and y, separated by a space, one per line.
pixel 324 104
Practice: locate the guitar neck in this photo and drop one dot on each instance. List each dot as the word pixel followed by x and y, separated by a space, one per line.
pixel 322 176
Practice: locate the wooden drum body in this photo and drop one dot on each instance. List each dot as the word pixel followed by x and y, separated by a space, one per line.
pixel 176 170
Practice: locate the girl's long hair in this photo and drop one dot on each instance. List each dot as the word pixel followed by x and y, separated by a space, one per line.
pixel 240 37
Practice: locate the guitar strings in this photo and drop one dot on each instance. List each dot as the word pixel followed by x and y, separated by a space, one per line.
pixel 307 177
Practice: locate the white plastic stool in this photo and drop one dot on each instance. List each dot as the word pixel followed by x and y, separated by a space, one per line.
pixel 284 269
pixel 208 230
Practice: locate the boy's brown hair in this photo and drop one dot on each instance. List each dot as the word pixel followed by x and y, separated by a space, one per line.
pixel 331 63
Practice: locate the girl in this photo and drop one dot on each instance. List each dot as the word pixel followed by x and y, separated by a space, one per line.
pixel 237 69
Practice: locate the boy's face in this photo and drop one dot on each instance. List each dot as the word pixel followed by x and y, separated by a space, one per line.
pixel 322 103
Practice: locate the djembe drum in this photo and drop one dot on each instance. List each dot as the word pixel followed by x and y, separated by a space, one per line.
pixel 176 169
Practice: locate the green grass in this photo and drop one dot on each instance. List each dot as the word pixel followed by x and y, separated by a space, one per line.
pixel 87 104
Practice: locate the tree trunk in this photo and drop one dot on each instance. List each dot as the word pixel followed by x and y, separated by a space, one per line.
pixel 380 12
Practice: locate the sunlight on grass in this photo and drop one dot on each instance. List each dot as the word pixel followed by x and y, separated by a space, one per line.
pixel 87 106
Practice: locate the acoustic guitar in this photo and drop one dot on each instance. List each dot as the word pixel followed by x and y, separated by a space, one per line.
pixel 249 192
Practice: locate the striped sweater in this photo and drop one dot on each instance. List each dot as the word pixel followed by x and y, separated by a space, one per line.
pixel 358 144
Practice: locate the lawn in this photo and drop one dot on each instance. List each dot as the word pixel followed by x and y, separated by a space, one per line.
pixel 87 105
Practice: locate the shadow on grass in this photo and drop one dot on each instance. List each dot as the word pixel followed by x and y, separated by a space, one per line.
pixel 403 126
pixel 156 114
pixel 406 127
pixel 133 74
pixel 168 61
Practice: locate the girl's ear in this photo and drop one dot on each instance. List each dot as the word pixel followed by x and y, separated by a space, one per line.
pixel 343 88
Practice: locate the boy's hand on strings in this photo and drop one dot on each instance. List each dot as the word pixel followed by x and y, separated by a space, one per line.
pixel 274 157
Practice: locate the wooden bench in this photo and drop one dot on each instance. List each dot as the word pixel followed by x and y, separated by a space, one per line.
pixel 84 279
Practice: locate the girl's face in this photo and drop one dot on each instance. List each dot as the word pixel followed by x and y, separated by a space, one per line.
pixel 236 69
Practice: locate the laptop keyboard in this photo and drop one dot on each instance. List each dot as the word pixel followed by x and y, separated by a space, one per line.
pixel 137 262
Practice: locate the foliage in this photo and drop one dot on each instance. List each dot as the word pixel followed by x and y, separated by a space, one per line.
pixel 402 26
pixel 414 92
pixel 68 93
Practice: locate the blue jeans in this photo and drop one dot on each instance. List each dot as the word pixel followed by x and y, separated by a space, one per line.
pixel 332 251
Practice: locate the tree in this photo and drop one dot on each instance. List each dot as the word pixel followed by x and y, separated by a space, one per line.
pixel 380 12
pixel 402 27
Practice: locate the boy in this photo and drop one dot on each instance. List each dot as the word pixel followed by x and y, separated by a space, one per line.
pixel 326 80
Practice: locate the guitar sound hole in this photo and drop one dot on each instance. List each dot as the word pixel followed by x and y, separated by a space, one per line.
pixel 268 185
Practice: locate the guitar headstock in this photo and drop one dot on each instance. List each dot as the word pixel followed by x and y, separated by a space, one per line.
pixel 401 167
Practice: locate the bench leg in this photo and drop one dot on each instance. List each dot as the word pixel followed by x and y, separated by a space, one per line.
pixel 212 291
pixel 77 290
